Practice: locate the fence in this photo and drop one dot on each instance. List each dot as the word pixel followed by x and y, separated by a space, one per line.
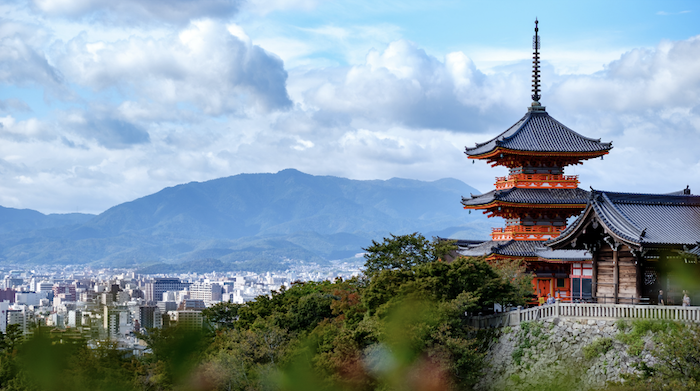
pixel 589 311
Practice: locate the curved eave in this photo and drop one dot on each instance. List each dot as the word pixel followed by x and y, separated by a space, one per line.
pixel 574 230
pixel 499 150
pixel 524 205
pixel 523 257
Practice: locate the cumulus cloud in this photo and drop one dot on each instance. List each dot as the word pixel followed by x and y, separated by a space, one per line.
pixel 22 60
pixel 178 12
pixel 404 85
pixel 106 129
pixel 204 66
pixel 640 80
pixel 26 130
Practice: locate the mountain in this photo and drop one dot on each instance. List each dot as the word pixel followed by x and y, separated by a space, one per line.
pixel 243 218
pixel 17 220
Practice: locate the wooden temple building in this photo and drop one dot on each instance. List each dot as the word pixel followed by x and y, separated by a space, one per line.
pixel 623 248
pixel 639 244
pixel 536 198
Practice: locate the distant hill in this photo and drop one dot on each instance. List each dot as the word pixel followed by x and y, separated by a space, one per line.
pixel 17 220
pixel 242 220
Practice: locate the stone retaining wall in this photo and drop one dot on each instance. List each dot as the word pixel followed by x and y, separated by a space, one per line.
pixel 552 352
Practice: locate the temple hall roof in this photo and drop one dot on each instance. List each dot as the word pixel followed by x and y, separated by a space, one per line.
pixel 512 248
pixel 537 131
pixel 641 218
pixel 530 196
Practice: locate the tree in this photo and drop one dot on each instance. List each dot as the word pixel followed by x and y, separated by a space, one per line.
pixel 222 315
pixel 404 252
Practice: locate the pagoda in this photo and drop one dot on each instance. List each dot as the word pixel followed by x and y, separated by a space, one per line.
pixel 536 198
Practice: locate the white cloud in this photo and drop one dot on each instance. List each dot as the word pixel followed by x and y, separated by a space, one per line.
pixel 204 66
pixel 22 60
pixel 404 85
pixel 640 80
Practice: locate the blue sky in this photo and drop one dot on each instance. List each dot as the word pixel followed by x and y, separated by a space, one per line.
pixel 102 102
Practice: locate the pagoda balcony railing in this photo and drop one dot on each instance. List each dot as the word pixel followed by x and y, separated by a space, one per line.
pixel 537 181
pixel 528 228
pixel 519 232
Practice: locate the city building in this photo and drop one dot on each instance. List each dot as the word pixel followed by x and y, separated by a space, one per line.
pixel 155 289
pixel 7 294
pixel 149 317
pixel 189 320
pixel 207 291
pixel 68 291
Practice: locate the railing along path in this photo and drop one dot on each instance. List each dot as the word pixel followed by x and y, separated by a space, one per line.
pixel 590 311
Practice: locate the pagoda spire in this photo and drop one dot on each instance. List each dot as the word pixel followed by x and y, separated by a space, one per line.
pixel 536 67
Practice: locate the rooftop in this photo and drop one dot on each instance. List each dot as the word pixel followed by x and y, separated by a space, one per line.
pixel 529 196
pixel 642 218
pixel 537 131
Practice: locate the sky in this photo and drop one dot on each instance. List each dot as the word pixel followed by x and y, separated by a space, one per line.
pixel 103 102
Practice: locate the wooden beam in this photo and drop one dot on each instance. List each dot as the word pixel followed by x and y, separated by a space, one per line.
pixel 616 275
pixel 594 277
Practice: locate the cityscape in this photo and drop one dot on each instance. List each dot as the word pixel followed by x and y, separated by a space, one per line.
pixel 120 304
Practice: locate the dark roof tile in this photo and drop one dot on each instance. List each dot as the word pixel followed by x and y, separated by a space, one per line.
pixel 530 196
pixel 537 131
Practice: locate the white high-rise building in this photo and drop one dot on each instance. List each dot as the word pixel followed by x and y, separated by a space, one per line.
pixel 208 292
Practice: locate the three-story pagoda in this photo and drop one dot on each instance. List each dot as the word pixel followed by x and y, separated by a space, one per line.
pixel 536 198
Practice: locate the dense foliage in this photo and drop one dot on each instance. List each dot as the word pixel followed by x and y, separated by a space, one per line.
pixel 401 326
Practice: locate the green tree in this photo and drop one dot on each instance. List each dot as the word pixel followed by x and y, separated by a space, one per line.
pixel 438 282
pixel 222 315
pixel 404 252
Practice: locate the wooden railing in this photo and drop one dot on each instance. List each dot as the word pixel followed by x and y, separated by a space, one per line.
pixel 536 181
pixel 537 177
pixel 528 229
pixel 588 311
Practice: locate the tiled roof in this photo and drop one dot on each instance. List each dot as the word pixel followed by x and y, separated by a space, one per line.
pixel 513 248
pixel 695 251
pixel 564 255
pixel 530 196
pixel 644 218
pixel 537 131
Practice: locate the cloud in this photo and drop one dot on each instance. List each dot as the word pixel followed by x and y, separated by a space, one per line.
pixel 176 12
pixel 103 127
pixel 640 80
pixel 204 67
pixel 404 85
pixel 14 104
pixel 22 60
pixel 26 130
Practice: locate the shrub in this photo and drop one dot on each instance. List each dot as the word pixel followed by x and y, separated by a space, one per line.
pixel 597 347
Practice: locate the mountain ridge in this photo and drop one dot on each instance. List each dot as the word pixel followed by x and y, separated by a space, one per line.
pixel 274 215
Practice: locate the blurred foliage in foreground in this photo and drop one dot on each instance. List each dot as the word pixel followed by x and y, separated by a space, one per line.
pixel 401 326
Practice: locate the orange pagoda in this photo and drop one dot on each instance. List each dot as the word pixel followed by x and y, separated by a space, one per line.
pixel 536 198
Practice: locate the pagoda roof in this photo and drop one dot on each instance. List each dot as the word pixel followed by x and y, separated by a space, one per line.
pixel 640 219
pixel 516 195
pixel 537 131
